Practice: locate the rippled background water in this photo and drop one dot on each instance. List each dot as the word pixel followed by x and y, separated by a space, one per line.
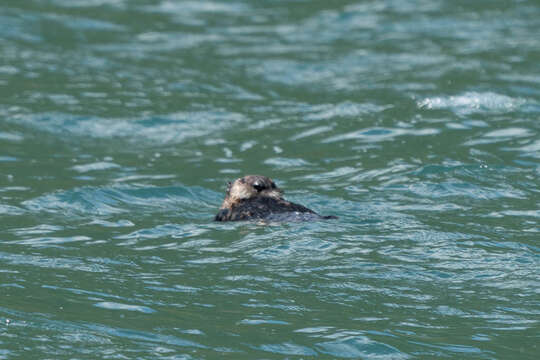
pixel 415 122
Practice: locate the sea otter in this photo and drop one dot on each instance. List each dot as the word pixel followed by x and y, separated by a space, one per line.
pixel 256 197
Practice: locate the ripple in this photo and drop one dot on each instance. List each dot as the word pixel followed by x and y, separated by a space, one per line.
pixel 126 307
pixel 281 162
pixel 11 136
pixel 288 348
pixel 509 133
pixel 112 224
pixel 51 262
pixel 87 3
pixel 346 109
pixel 82 201
pixel 473 102
pixel 160 231
pixel 262 322
pixel 37 230
pixel 117 199
pixel 8 159
pixel 311 132
pixel 450 189
pixel 172 128
pixel 193 8
pixel 97 166
pixel 380 134
pixel 82 23
pixel 10 210
pixel 212 260
pixel 45 241
pixel 360 347
pixel 453 348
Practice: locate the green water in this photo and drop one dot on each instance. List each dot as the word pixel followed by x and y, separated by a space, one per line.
pixel 415 122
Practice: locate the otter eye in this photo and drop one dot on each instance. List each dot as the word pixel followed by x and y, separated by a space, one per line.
pixel 258 187
pixel 273 185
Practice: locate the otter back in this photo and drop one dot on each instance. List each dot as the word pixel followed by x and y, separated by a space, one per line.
pixel 264 208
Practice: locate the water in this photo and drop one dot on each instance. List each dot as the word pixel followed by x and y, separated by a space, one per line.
pixel 415 122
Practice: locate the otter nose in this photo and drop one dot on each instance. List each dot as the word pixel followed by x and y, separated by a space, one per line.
pixel 258 186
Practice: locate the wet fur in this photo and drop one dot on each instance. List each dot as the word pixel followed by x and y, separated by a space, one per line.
pixel 256 197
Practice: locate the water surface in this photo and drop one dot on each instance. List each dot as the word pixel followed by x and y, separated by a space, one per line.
pixel 415 122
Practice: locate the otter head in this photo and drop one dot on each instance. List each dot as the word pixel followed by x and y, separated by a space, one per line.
pixel 251 186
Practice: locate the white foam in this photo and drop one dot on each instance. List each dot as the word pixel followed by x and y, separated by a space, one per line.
pixel 472 102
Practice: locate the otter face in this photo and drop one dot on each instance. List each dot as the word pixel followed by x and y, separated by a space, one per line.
pixel 251 186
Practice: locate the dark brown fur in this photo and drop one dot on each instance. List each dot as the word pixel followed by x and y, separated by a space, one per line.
pixel 255 197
